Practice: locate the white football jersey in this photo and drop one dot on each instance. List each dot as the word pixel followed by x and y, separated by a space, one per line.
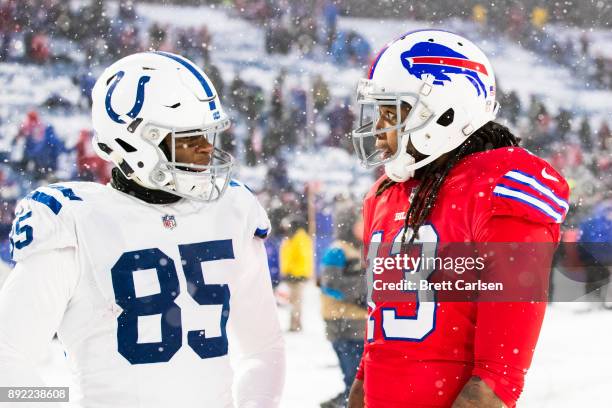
pixel 148 300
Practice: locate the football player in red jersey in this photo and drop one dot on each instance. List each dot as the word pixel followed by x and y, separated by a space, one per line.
pixel 453 175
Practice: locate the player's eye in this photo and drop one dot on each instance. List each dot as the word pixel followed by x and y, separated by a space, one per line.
pixel 389 115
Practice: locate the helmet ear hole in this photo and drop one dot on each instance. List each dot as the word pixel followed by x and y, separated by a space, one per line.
pixel 446 118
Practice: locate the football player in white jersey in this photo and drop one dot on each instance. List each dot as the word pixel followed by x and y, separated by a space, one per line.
pixel 152 281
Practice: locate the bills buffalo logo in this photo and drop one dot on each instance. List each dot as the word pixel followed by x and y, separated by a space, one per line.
pixel 441 61
pixel 169 221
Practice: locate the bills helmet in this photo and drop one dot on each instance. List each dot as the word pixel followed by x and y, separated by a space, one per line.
pixel 449 86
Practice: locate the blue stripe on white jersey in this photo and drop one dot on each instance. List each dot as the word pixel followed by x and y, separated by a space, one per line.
pixel 521 196
pixel 532 182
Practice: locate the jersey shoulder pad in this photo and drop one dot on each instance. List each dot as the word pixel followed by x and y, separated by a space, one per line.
pixel 44 221
pixel 257 218
pixel 524 185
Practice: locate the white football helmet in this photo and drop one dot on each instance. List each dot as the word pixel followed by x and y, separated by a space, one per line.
pixel 141 99
pixel 449 85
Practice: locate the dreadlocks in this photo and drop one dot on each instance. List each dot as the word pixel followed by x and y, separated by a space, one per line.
pixel 490 136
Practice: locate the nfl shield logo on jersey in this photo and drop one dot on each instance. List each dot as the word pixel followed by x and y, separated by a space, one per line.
pixel 169 221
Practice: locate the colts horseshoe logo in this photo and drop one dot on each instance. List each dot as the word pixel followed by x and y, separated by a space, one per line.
pixel 139 97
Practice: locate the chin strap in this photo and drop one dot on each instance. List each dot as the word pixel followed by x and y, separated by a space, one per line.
pixel 121 183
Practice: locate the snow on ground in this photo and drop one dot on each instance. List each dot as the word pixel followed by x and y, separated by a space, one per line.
pixel 572 366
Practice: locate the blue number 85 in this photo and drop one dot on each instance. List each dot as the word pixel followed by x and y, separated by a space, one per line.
pixel 192 256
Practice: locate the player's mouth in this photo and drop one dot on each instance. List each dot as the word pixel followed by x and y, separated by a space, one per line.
pixel 196 169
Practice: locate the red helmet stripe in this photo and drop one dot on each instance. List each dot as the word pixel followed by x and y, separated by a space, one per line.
pixel 452 62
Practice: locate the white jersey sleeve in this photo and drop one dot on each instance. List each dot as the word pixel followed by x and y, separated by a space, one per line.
pixel 42 222
pixel 36 292
pixel 32 304
pixel 259 222
pixel 254 332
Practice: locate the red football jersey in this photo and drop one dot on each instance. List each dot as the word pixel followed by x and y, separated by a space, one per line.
pixel 422 354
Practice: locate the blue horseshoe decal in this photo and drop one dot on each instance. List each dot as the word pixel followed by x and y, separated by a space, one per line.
pixel 139 97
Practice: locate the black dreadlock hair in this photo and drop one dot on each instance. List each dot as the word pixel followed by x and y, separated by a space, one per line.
pixel 490 136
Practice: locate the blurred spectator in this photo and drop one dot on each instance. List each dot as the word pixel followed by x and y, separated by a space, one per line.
pixel 157 36
pixel 238 94
pixel 278 39
pixel 596 229
pixel 277 177
pixel 44 153
pixel 298 105
pixel 479 14
pixel 330 19
pixel 340 120
pixel 32 128
pixel 272 244
pixel 127 12
pixel 204 42
pixel 539 16
pixel 212 71
pixel 585 136
pixel 350 47
pixel 273 141
pixel 86 82
pixel 296 264
pixel 39 48
pixel 320 93
pixel 511 106
pixel 563 120
pixel 603 136
pixel 276 99
pixel 343 297
pixel 90 166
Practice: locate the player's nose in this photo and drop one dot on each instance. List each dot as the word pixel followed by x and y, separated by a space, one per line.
pixel 380 125
pixel 205 147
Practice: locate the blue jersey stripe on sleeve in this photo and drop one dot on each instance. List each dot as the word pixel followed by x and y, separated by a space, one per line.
pixel 48 200
pixel 261 232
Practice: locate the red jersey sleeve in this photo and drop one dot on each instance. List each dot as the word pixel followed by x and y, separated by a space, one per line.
pixel 360 373
pixel 507 332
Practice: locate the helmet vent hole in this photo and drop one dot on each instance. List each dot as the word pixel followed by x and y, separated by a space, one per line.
pixel 148 69
pixel 460 44
pixel 446 118
pixel 431 40
pixel 104 147
pixel 125 146
pixel 176 105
